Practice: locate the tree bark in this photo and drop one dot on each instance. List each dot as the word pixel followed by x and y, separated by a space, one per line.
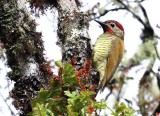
pixel 24 47
pixel 72 32
pixel 24 51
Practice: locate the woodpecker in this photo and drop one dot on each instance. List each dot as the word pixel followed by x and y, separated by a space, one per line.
pixel 108 51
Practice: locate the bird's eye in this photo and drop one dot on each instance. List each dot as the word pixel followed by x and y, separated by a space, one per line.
pixel 112 25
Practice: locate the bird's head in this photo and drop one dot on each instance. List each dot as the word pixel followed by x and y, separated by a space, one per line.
pixel 112 27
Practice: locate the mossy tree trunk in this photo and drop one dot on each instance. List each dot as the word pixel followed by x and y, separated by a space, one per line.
pixel 72 33
pixel 24 51
pixel 24 46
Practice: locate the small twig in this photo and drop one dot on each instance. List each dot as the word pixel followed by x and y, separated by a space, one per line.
pixel 125 7
pixel 118 96
pixel 145 14
pixel 136 16
pixel 107 11
pixel 155 47
pixel 136 1
pixel 111 90
pixel 156 36
pixel 153 72
pixel 158 26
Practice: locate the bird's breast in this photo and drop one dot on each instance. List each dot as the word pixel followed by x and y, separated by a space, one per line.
pixel 102 46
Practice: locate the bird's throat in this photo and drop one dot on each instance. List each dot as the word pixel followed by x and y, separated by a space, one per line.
pixel 109 30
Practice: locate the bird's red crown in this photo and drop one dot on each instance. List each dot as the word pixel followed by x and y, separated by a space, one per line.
pixel 117 23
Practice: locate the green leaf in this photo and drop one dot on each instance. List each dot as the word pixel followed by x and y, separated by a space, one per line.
pixel 100 105
pixel 87 93
pixel 43 95
pixel 122 110
pixel 71 95
pixel 39 110
pixel 49 113
pixel 69 75
pixel 71 112
pixel 58 63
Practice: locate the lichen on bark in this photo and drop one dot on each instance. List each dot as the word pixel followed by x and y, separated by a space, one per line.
pixel 72 26
pixel 24 49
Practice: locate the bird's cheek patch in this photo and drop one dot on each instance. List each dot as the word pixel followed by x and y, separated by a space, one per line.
pixel 109 30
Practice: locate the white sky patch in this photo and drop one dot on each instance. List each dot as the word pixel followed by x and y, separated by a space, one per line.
pixel 49 34
pixel 5 86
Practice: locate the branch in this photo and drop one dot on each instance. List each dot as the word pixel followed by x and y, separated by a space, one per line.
pixel 107 11
pixel 136 1
pixel 145 15
pixel 111 91
pixel 24 52
pixel 158 26
pixel 72 26
pixel 156 36
pixel 155 47
pixel 136 16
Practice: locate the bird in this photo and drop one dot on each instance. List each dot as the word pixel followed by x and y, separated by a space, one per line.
pixel 108 51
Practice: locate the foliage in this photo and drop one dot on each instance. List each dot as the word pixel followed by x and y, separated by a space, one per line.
pixel 62 96
pixel 41 110
pixel 122 110
pixel 65 96
pixel 83 102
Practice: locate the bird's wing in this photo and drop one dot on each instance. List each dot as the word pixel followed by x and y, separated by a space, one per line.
pixel 113 60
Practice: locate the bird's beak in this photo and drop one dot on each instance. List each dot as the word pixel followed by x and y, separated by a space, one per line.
pixel 103 25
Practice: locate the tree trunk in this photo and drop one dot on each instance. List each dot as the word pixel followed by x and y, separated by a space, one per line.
pixel 24 50
pixel 24 47
pixel 72 32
